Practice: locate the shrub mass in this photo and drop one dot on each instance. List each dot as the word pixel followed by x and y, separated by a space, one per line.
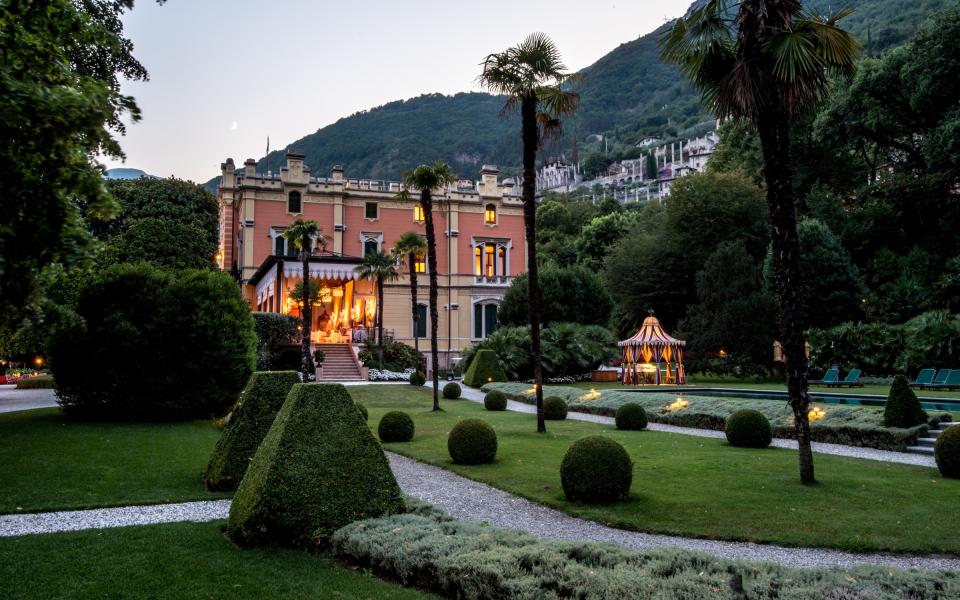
pixel 472 442
pixel 484 368
pixel 495 400
pixel 249 424
pixel 154 346
pixel 451 391
pixel 947 452
pixel 395 426
pixel 417 378
pixel 319 468
pixel 554 408
pixel 748 429
pixel 596 469
pixel 903 408
pixel 631 417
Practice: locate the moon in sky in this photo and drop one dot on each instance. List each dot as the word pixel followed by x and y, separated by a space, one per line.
pixel 233 126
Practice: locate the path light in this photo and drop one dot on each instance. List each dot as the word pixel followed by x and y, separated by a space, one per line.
pixel 38 361
pixel 816 413
pixel 531 391
pixel 589 396
pixel 678 404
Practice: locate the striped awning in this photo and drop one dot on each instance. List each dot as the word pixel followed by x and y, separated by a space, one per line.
pixel 651 334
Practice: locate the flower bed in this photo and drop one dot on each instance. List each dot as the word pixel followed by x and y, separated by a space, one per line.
pixel 848 425
pixel 378 375
pixel 430 549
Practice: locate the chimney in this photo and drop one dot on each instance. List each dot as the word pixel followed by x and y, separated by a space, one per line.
pixel 336 173
pixel 227 170
pixel 488 179
pixel 249 168
pixel 295 160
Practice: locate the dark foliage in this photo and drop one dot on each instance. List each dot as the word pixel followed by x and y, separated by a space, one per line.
pixel 572 294
pixel 596 469
pixel 495 400
pixel 451 391
pixel 417 378
pixel 149 345
pixel 484 368
pixel 472 442
pixel 947 452
pixel 395 426
pixel 631 417
pixel 903 408
pixel 319 468
pixel 275 333
pixel 249 423
pixel 363 411
pixel 554 408
pixel 748 429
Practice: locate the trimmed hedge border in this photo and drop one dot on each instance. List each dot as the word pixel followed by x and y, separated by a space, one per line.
pixel 41 382
pixel 429 549
pixel 847 425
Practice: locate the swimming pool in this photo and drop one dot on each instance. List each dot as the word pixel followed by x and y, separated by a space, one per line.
pixel 947 404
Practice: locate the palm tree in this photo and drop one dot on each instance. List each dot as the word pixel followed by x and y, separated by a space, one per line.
pixel 768 63
pixel 378 267
pixel 303 235
pixel 411 247
pixel 428 179
pixel 533 79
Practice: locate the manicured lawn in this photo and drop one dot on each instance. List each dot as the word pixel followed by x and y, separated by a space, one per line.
pixel 50 463
pixel 698 486
pixel 183 560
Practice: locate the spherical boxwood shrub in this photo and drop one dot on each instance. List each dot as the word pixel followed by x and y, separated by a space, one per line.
pixel 472 442
pixel 554 408
pixel 495 400
pixel 451 391
pixel 947 452
pixel 154 345
pixel 395 426
pixel 748 429
pixel 363 411
pixel 417 378
pixel 596 469
pixel 631 417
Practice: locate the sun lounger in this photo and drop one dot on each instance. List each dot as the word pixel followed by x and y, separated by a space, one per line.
pixel 851 380
pixel 925 377
pixel 952 382
pixel 829 378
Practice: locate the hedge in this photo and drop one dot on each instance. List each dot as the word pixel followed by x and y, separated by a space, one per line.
pixel 318 469
pixel 459 559
pixel 484 368
pixel 250 422
pixel 152 345
pixel 848 425
pixel 42 382
pixel 276 334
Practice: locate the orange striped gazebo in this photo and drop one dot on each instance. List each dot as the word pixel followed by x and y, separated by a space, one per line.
pixel 651 346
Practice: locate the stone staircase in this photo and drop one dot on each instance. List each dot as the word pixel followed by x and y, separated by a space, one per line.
pixel 338 363
pixel 925 444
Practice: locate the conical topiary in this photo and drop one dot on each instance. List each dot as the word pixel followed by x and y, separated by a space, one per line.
pixel 484 368
pixel 249 423
pixel 903 409
pixel 318 469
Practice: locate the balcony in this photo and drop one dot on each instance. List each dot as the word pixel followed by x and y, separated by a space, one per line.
pixel 503 280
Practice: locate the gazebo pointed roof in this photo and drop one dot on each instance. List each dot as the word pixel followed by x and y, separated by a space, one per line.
pixel 651 334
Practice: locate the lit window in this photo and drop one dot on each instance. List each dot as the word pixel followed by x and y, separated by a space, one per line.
pixel 502 260
pixel 418 213
pixel 490 214
pixel 490 265
pixel 478 266
pixel 420 264
pixel 294 204
pixel 370 210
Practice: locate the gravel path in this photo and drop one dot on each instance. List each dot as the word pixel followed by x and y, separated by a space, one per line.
pixel 904 458
pixel 470 500
pixel 12 399
pixel 106 518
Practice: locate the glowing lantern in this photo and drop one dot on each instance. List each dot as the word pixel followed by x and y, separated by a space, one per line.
pixel 816 413
pixel 678 404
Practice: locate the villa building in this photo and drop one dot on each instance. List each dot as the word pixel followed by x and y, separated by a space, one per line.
pixel 480 247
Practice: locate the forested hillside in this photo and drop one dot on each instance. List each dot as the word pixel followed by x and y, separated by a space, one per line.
pixel 626 95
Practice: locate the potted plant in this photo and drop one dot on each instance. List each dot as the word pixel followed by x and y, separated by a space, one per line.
pixel 318 356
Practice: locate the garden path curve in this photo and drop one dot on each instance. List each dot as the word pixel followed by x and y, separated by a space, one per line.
pixel 920 460
pixel 12 399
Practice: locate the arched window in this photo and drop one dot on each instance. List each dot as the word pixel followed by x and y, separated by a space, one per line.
pixel 490 215
pixel 418 213
pixel 294 204
pixel 279 246
pixel 420 264
pixel 370 247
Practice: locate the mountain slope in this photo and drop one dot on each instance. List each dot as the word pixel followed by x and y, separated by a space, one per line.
pixel 626 94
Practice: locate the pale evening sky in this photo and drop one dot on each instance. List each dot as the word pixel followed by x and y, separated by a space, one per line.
pixel 226 74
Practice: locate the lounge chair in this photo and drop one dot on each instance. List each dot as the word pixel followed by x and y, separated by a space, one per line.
pixel 829 378
pixel 925 377
pixel 938 381
pixel 851 380
pixel 952 382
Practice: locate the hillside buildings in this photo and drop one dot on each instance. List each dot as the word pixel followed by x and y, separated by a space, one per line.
pixel 480 240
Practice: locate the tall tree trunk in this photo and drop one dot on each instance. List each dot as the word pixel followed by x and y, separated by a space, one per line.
pixel 306 361
pixel 531 139
pixel 413 305
pixel 774 130
pixel 426 201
